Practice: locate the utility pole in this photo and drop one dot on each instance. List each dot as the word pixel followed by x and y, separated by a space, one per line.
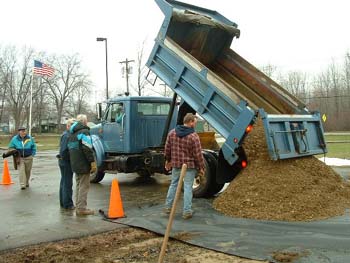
pixel 163 84
pixel 105 39
pixel 126 62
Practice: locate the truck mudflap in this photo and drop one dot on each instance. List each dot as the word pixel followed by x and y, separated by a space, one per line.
pixel 291 136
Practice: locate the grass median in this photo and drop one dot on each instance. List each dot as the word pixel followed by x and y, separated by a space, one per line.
pixel 44 142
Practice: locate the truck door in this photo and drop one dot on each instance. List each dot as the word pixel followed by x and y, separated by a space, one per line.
pixel 114 128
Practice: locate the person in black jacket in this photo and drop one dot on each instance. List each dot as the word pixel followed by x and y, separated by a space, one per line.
pixel 66 183
pixel 82 162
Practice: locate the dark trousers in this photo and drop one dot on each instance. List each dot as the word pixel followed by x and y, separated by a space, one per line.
pixel 66 184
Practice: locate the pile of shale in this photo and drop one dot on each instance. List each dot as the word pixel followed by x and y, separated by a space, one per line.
pixel 300 189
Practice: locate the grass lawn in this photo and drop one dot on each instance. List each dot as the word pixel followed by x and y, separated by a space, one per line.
pixel 338 150
pixel 338 137
pixel 47 142
pixel 338 146
pixel 44 142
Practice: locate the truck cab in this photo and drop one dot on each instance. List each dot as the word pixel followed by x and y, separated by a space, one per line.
pixel 129 137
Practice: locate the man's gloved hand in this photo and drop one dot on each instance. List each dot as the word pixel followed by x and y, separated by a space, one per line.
pixel 167 166
pixel 93 167
pixel 3 155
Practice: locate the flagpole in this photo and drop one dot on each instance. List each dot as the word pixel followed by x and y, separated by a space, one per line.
pixel 39 69
pixel 30 104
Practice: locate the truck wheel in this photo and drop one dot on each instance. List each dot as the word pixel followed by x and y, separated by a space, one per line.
pixel 145 173
pixel 206 186
pixel 214 187
pixel 97 177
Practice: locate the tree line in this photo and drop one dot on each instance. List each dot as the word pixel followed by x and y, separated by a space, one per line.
pixel 66 93
pixel 327 91
pixel 63 94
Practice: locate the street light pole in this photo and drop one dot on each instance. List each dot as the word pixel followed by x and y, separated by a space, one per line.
pixel 105 39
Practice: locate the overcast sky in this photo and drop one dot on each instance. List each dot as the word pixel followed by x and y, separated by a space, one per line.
pixel 300 35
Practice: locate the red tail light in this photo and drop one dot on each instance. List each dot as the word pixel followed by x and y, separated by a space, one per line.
pixel 244 164
pixel 249 128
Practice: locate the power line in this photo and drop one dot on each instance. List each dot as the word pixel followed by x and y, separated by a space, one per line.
pixel 327 97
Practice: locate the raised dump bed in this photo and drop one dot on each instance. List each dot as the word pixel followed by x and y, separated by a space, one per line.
pixel 192 56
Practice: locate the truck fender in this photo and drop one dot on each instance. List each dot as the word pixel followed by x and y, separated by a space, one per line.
pixel 207 186
pixel 98 149
pixel 225 172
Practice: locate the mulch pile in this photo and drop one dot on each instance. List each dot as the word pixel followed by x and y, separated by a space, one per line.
pixel 301 189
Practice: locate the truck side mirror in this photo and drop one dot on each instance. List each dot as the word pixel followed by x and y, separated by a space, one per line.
pixel 99 110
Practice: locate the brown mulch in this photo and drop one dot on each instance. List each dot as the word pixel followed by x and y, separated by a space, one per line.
pixel 301 189
pixel 288 256
pixel 118 246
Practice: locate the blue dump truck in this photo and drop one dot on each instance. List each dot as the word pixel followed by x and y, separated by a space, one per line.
pixel 192 56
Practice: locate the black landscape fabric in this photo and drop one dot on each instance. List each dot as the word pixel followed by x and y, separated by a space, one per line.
pixel 318 241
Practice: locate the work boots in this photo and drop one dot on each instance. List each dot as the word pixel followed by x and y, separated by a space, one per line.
pixel 187 215
pixel 166 210
pixel 84 212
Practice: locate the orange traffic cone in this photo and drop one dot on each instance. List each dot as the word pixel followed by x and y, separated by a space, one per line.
pixel 6 178
pixel 115 202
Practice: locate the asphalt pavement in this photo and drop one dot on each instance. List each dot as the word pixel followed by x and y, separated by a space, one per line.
pixel 33 215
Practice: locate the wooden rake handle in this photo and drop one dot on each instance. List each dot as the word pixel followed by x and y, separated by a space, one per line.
pixel 172 214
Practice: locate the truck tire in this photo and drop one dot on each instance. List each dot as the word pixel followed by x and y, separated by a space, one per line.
pixel 207 186
pixel 98 176
pixel 214 187
pixel 145 173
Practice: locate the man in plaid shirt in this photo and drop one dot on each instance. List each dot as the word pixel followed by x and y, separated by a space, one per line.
pixel 183 146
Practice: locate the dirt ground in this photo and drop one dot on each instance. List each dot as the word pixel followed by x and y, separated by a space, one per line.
pixel 122 245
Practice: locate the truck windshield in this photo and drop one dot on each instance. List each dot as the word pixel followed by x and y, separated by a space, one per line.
pixel 153 108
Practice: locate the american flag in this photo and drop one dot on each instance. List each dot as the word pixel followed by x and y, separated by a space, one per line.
pixel 43 69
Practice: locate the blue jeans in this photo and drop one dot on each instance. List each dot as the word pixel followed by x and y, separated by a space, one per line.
pixel 66 184
pixel 188 184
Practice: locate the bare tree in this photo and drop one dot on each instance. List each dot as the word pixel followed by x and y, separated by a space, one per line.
pixel 165 92
pixel 140 69
pixel 18 80
pixel 335 77
pixel 269 69
pixel 321 89
pixel 347 80
pixel 41 102
pixel 295 82
pixel 78 102
pixel 69 76
pixel 329 96
pixel 3 84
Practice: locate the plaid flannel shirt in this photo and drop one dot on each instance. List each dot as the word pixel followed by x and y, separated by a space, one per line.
pixel 184 150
